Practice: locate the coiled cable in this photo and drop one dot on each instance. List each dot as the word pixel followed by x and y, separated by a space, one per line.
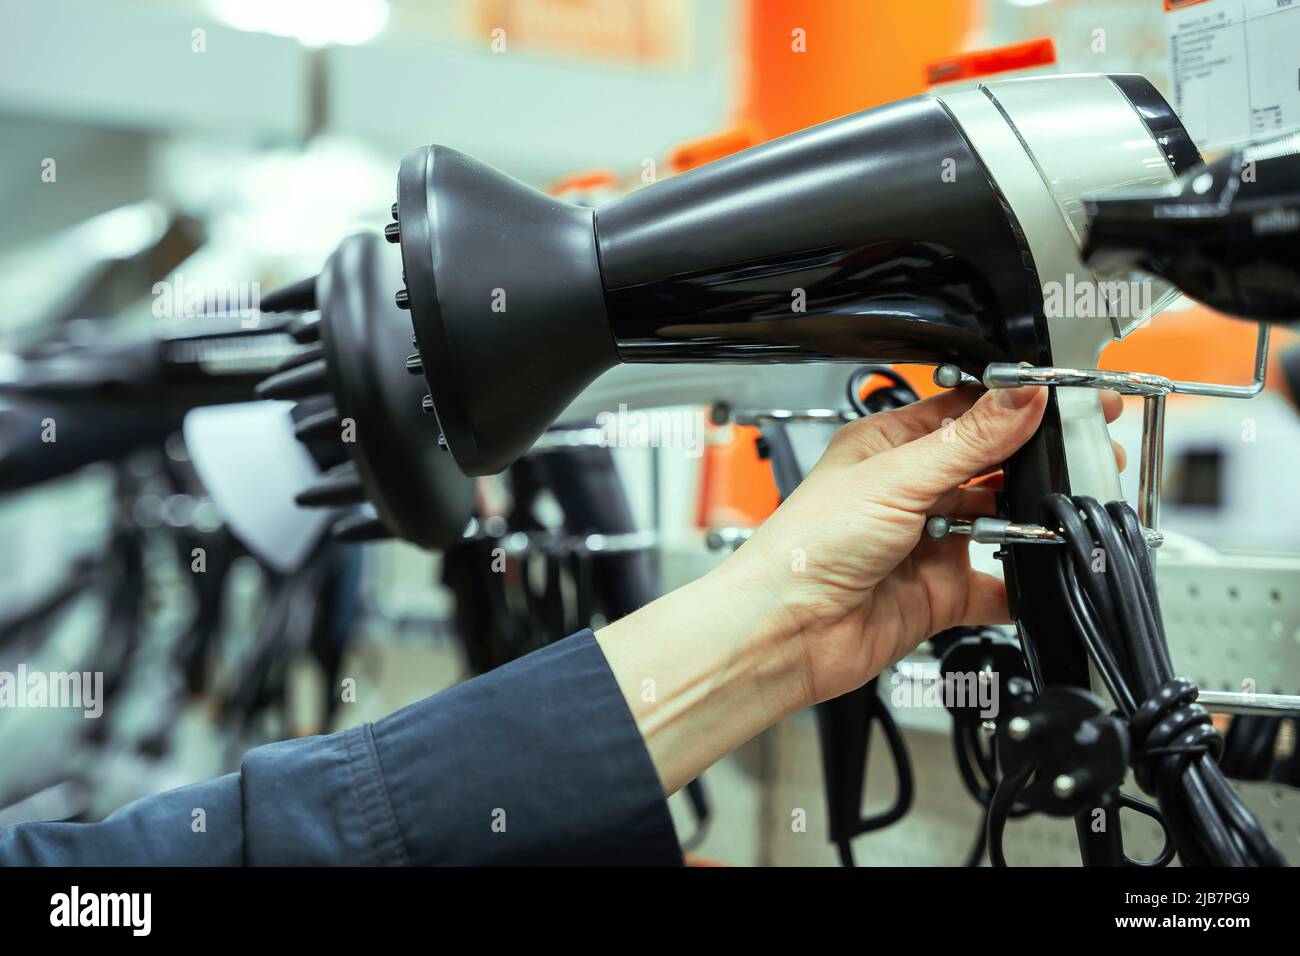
pixel 1107 581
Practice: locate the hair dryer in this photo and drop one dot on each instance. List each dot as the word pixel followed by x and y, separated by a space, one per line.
pixel 1227 233
pixel 357 400
pixel 931 230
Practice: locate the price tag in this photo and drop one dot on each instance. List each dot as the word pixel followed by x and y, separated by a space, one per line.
pixel 1235 68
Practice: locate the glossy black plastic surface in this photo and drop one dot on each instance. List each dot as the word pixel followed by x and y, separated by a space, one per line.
pixel 875 237
pixel 1229 236
pixel 1160 120
pixel 414 485
pixel 505 299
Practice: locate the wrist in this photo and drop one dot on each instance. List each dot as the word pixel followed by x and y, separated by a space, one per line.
pixel 705 668
pixel 768 630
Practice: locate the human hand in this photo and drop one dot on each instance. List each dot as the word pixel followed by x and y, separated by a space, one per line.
pixel 844 558
pixel 836 585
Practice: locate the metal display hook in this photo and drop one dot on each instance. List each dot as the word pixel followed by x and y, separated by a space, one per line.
pixel 791 416
pixel 518 544
pixel 1153 388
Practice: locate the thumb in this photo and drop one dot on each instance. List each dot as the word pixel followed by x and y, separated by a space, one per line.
pixel 987 434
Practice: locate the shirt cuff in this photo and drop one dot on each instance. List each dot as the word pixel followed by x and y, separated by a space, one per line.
pixel 537 762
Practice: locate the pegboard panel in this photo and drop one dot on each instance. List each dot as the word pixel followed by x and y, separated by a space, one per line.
pixel 1233 622
pixel 1278 811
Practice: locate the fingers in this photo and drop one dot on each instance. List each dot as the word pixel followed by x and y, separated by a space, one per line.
pixel 993 478
pixel 1112 405
pixel 972 501
pixel 885 431
pixel 874 434
pixel 918 474
pixel 986 601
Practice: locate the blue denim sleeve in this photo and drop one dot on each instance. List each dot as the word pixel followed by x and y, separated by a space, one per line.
pixel 538 762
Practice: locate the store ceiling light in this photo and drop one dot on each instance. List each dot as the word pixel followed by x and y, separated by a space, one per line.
pixel 313 22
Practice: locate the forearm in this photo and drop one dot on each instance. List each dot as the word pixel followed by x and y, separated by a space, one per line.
pixel 198 825
pixel 705 668
pixel 538 762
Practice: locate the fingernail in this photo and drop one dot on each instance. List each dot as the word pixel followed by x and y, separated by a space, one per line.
pixel 1010 399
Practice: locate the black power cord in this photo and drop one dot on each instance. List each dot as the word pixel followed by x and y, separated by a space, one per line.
pixel 975 650
pixel 983 781
pixel 1108 584
pixel 898 393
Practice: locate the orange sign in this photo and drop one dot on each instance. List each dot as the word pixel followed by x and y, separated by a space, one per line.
pixel 646 32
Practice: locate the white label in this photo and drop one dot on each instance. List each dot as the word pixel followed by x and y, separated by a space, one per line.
pixel 1235 68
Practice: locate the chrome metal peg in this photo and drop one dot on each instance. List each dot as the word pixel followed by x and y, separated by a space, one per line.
pixel 1153 389
pixel 789 416
pixel 1002 531
pixel 950 376
pixel 1268 705
pixel 991 531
